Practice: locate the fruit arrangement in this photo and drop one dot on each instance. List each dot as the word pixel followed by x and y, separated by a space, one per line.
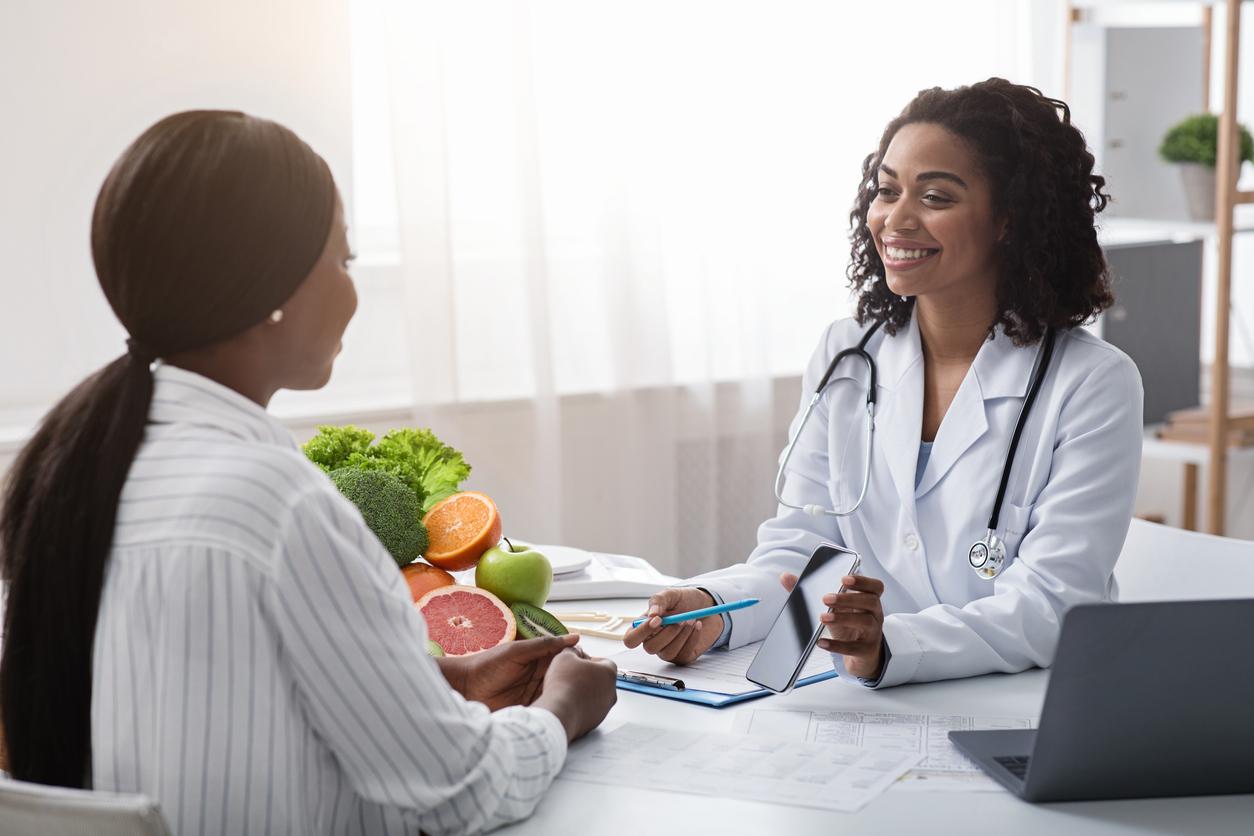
pixel 512 580
pixel 406 487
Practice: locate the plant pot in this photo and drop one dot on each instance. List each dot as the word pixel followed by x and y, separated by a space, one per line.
pixel 1199 190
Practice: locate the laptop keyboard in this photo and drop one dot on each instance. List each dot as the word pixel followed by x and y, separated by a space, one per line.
pixel 1016 765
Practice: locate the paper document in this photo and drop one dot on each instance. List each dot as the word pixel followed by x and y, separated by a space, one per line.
pixel 719 670
pixel 791 772
pixel 942 766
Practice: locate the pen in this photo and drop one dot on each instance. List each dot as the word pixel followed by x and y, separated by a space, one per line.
pixel 688 616
pixel 656 680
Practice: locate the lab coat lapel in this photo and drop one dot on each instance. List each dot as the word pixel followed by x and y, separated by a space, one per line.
pixel 963 425
pixel 898 429
pixel 1000 370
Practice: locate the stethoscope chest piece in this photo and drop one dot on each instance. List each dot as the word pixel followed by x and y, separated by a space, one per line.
pixel 987 556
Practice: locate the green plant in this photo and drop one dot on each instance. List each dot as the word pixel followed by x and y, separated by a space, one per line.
pixel 1196 140
pixel 428 467
pixel 389 508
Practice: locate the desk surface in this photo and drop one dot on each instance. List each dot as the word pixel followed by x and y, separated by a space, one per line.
pixel 571 806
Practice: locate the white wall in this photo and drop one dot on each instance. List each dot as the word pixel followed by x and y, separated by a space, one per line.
pixel 80 79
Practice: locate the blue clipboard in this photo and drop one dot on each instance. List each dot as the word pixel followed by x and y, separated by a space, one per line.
pixel 714 699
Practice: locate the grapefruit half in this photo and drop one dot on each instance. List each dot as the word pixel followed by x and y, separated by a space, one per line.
pixel 465 619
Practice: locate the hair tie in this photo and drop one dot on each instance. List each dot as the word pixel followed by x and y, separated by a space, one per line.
pixel 139 353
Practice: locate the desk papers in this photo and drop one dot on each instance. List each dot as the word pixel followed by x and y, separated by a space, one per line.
pixel 942 766
pixel 798 773
pixel 722 671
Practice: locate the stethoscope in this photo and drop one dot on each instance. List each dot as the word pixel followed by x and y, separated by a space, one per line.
pixel 988 555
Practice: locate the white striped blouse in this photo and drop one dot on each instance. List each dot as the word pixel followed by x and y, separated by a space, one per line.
pixel 259 666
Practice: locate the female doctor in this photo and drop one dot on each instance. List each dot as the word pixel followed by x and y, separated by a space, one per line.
pixel 975 260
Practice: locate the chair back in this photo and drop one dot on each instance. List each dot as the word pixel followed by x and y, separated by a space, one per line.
pixel 36 810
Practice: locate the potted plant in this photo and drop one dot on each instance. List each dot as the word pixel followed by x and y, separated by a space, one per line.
pixel 1193 144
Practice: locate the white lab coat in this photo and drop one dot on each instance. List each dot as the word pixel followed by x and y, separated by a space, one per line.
pixel 1067 508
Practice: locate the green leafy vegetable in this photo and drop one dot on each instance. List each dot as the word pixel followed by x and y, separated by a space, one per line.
pixel 427 466
pixel 440 468
pixel 332 446
pixel 389 508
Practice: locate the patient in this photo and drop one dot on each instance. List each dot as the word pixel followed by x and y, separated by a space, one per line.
pixel 194 612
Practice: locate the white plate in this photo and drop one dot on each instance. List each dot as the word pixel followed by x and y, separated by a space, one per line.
pixel 565 559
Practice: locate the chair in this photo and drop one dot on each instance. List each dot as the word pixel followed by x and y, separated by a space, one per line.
pixel 1161 563
pixel 37 810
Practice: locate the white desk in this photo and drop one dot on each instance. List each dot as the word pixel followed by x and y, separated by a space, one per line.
pixel 596 810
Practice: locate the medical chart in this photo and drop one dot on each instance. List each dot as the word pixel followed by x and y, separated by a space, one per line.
pixel 942 766
pixel 797 773
pixel 722 671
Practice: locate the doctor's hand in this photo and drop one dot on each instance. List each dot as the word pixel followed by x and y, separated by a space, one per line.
pixel 855 627
pixel 678 643
pixel 509 674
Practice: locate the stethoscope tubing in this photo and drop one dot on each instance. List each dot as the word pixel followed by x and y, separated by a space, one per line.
pixel 1044 354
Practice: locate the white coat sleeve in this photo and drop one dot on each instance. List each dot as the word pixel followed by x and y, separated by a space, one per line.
pixel 1067 556
pixel 785 541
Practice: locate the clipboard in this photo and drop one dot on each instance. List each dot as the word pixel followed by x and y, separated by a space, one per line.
pixel 715 699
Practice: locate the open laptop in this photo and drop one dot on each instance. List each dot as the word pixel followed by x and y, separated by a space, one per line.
pixel 1144 700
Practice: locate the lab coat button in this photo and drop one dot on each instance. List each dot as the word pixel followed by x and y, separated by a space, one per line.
pixel 912 542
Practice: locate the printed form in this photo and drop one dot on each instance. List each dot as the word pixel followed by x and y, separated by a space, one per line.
pixel 797 773
pixel 942 766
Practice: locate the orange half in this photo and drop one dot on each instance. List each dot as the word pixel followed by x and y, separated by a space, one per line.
pixel 461 528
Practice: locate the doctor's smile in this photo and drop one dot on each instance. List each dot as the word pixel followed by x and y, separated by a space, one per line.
pixel 961 435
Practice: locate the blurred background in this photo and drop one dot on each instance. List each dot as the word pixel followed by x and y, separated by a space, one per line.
pixel 598 241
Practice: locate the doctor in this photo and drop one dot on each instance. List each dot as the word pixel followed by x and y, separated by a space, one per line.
pixel 973 242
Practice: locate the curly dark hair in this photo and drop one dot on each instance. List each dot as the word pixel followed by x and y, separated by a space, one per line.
pixel 1052 272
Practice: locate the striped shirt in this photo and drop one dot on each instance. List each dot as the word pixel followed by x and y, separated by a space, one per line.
pixel 259 666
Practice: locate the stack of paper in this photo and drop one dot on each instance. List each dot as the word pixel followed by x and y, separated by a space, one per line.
pixel 942 766
pixel 796 773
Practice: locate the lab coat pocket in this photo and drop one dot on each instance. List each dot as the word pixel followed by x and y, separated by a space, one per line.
pixel 1014 525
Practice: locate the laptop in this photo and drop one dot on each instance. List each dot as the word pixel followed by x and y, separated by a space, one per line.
pixel 1144 700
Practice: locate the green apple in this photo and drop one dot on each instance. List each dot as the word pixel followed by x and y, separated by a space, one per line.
pixel 515 572
pixel 434 649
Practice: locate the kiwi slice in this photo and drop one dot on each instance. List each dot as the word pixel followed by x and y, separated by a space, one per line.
pixel 535 623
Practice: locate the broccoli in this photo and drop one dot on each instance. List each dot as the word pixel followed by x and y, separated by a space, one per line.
pixel 389 507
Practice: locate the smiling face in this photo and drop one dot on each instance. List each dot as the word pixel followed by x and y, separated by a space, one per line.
pixel 933 219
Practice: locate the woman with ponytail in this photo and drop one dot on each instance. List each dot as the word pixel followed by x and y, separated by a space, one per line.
pixel 193 611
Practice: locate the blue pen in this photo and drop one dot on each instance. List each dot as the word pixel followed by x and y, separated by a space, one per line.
pixel 689 616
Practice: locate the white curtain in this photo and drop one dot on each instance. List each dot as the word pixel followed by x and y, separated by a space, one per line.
pixel 619 229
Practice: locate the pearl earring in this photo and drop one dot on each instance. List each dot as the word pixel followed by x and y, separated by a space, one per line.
pixel 276 317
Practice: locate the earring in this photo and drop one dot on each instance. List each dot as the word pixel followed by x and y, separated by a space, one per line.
pixel 276 317
pixel 903 299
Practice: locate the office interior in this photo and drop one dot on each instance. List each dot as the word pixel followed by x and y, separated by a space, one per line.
pixel 596 242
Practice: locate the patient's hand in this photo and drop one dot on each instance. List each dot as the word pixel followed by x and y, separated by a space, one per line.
pixel 508 674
